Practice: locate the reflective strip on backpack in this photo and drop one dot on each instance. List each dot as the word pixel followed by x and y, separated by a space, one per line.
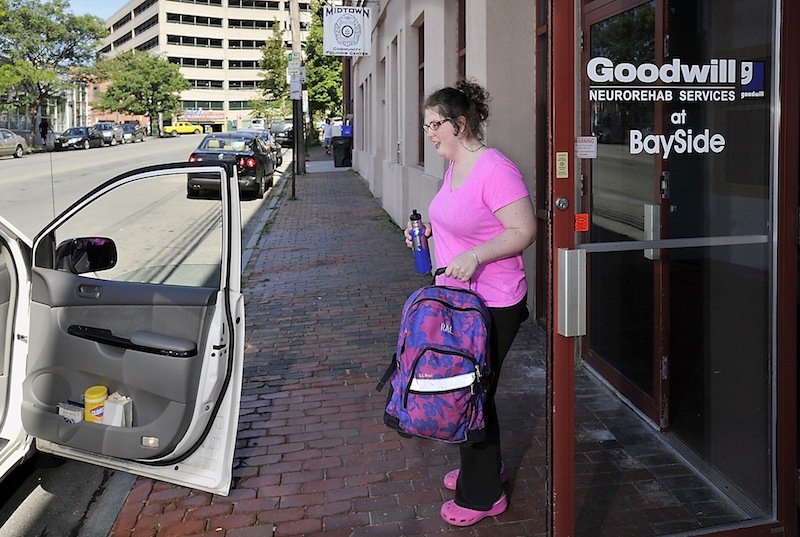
pixel 441 385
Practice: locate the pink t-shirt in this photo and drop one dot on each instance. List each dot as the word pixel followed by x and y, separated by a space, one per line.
pixel 464 218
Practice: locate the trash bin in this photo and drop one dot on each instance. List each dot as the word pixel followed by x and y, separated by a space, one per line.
pixel 342 151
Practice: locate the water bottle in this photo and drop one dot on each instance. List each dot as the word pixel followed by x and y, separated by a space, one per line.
pixel 419 243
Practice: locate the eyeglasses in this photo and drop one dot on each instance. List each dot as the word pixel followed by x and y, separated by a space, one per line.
pixel 434 125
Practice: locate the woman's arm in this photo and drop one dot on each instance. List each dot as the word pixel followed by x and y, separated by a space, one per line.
pixel 519 233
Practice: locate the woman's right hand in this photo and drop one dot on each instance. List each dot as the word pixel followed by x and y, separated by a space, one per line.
pixel 407 232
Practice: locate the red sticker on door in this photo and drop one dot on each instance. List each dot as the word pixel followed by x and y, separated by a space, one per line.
pixel 582 222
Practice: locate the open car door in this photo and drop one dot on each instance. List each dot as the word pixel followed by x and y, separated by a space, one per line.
pixel 137 289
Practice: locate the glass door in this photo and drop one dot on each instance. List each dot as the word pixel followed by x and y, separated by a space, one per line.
pixel 679 96
pixel 625 205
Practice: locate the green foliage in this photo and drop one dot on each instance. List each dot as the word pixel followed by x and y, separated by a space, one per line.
pixel 141 83
pixel 323 73
pixel 274 102
pixel 42 41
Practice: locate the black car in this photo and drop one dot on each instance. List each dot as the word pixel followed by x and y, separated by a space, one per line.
pixel 247 151
pixel 283 132
pixel 78 138
pixel 133 132
pixel 274 146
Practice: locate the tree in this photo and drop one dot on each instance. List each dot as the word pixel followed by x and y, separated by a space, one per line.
pixel 141 84
pixel 41 41
pixel 273 85
pixel 323 73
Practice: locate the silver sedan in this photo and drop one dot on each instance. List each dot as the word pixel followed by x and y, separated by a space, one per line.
pixel 12 144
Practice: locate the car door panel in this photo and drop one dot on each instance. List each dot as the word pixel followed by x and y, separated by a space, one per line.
pixel 163 326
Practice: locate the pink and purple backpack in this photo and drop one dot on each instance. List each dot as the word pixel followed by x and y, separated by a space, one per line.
pixel 440 372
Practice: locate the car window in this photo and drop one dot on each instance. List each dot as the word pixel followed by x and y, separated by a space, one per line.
pixel 161 236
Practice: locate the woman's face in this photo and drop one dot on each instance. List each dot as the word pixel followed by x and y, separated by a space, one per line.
pixel 441 133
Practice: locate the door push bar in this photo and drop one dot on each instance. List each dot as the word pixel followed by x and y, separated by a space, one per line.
pixel 571 292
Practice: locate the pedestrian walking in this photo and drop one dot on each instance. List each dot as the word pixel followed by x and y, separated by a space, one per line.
pixel 481 220
pixel 327 135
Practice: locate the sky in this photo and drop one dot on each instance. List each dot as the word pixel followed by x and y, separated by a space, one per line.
pixel 102 8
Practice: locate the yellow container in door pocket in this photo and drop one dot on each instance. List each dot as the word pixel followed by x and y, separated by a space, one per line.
pixel 93 402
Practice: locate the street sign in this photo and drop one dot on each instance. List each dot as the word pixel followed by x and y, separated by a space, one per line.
pixel 347 31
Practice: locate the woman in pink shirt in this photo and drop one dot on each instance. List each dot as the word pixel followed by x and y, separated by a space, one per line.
pixel 481 220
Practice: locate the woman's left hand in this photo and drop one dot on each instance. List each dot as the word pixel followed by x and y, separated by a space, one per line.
pixel 462 267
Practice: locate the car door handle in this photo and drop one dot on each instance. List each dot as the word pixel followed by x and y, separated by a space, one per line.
pixel 89 291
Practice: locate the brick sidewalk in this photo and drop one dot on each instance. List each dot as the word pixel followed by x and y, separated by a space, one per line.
pixel 324 288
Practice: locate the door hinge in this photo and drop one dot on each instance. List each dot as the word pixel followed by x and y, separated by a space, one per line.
pixel 581 40
pixel 21 337
pixel 664 367
pixel 581 185
pixel 664 185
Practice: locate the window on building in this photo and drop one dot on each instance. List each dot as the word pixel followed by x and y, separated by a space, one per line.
pixel 206 84
pixel 204 105
pixel 239 105
pixel 200 2
pixel 248 44
pixel 200 63
pixel 122 22
pixel 243 64
pixel 242 84
pixel 180 18
pixel 124 39
pixel 149 23
pixel 141 8
pixel 462 38
pixel 149 44
pixel 255 4
pixel 255 24
pixel 189 41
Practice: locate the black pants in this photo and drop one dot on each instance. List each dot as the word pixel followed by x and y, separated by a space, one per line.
pixel 479 483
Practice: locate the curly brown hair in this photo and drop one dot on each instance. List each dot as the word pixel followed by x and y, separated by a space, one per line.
pixel 465 98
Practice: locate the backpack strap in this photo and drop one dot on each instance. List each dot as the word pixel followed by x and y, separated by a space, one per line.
pixel 388 373
pixel 439 271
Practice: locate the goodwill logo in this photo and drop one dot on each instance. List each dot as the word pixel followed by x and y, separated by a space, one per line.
pixel 719 80
pixel 714 81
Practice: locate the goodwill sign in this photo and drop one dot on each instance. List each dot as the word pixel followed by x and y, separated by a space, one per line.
pixel 720 80
pixel 346 31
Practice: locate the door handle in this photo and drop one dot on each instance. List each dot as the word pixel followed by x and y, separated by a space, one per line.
pixel 89 291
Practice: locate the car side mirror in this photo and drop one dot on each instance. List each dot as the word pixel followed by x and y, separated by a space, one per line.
pixel 86 254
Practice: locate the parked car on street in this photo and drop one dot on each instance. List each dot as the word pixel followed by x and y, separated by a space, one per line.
pixel 111 132
pixel 133 132
pixel 247 151
pixel 78 138
pixel 275 148
pixel 81 303
pixel 182 127
pixel 12 143
pixel 283 131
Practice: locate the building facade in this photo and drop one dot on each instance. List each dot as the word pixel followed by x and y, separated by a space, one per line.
pixel 216 43
pixel 659 140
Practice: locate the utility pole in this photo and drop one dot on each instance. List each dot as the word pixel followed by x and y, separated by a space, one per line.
pixel 299 145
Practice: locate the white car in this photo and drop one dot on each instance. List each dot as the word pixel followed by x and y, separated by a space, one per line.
pixel 137 289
